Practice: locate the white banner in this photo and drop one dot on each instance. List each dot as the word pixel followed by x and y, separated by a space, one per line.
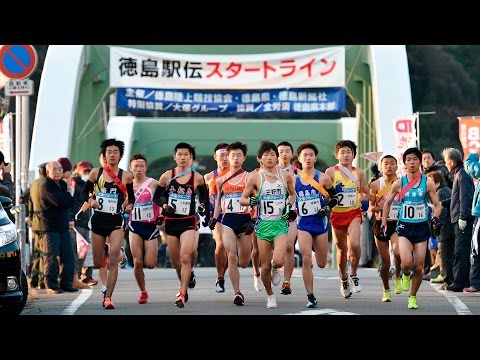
pixel 5 137
pixel 405 135
pixel 314 68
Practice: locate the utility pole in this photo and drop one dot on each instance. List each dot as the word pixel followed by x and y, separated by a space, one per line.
pixel 417 123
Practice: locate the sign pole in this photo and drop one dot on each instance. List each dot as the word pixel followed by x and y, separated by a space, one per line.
pixel 25 141
pixel 18 147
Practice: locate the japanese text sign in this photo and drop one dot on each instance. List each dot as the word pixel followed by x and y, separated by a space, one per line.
pixel 314 68
pixel 469 134
pixel 233 101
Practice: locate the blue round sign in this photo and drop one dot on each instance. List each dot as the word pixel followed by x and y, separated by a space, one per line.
pixel 18 61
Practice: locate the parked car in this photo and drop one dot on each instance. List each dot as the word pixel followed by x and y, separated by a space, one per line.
pixel 13 281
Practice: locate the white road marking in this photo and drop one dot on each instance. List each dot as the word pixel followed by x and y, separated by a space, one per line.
pixel 457 304
pixel 322 312
pixel 73 307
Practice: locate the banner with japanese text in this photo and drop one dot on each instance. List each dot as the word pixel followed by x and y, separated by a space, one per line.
pixel 313 68
pixel 405 135
pixel 469 134
pixel 233 101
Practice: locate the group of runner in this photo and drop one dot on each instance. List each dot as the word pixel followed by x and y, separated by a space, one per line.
pixel 257 216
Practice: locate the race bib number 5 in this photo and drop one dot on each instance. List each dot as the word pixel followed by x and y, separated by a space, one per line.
pixel 180 202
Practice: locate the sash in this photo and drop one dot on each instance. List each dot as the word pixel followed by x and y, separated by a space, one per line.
pixel 385 189
pixel 410 184
pixel 142 187
pixel 238 172
pixel 349 175
pixel 115 179
pixel 314 183
pixel 185 172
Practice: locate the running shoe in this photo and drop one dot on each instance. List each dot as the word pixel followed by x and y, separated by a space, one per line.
pixel 107 303
pixel 405 282
pixel 271 302
pixel 312 302
pixel 192 282
pixel 180 301
pixel 355 284
pixel 220 285
pixel 286 289
pixel 123 258
pixel 143 297
pixel 257 283
pixel 412 302
pixel 397 285
pixel 276 276
pixel 238 299
pixel 345 289
pixel 387 296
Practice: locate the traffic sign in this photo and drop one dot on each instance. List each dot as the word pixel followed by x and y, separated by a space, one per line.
pixel 19 87
pixel 18 61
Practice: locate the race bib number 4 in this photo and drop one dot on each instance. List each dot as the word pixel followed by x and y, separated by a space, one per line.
pixel 142 211
pixel 347 198
pixel 107 202
pixel 180 202
pixel 231 203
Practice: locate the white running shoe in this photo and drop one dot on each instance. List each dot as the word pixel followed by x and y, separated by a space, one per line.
pixel 345 289
pixel 355 284
pixel 258 283
pixel 271 302
pixel 277 276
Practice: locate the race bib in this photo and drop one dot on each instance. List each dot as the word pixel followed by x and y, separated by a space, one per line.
pixel 231 203
pixel 308 205
pixel 347 198
pixel 393 214
pixel 142 211
pixel 273 204
pixel 180 202
pixel 414 211
pixel 107 202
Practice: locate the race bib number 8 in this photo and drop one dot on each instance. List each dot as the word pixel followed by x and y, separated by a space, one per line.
pixel 107 202
pixel 142 211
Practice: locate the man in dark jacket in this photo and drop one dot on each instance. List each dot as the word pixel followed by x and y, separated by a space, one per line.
pixel 82 229
pixel 55 206
pixel 429 164
pixel 461 217
pixel 6 177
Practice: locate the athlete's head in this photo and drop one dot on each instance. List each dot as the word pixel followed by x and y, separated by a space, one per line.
pixel 111 148
pixel 413 151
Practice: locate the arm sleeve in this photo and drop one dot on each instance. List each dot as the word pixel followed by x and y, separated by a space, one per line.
pixel 130 193
pixel 332 192
pixel 203 198
pixel 158 196
pixel 87 189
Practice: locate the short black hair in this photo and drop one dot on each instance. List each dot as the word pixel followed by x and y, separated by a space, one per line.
pixel 412 150
pixel 112 142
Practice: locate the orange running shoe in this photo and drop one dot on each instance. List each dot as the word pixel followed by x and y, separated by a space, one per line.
pixel 180 302
pixel 143 297
pixel 107 303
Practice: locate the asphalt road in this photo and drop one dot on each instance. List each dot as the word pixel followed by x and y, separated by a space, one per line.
pixel 162 285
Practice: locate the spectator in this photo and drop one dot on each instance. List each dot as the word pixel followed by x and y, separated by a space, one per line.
pixel 55 206
pixel 6 177
pixel 37 277
pixel 461 217
pixel 79 177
